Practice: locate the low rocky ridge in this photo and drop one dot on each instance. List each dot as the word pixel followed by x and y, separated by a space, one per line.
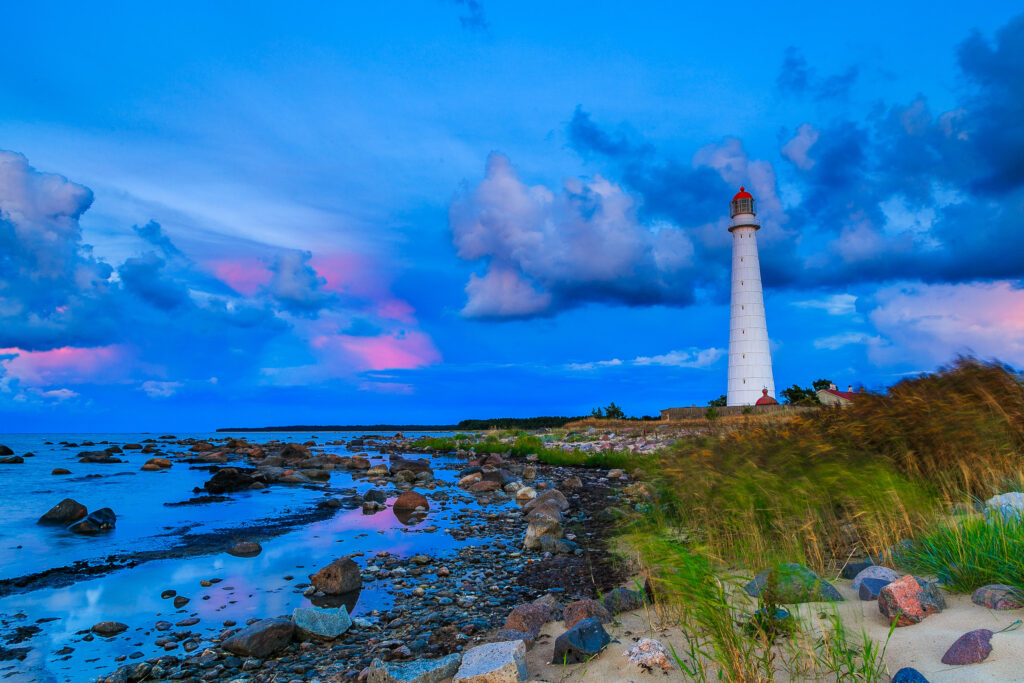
pixel 549 548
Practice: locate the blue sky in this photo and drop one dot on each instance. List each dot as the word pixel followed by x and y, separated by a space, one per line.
pixel 426 211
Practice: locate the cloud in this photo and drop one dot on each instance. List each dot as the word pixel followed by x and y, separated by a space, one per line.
pixel 799 145
pixel 548 250
pixel 65 364
pixel 797 77
pixel 932 323
pixel 295 285
pixel 687 358
pixel 835 304
pixel 472 17
pixel 155 389
pixel 838 341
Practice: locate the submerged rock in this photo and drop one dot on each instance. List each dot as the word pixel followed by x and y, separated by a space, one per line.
pixel 64 512
pixel 792 583
pixel 245 549
pixel 12 460
pixel 97 521
pixel 419 671
pixel 228 479
pixel 109 628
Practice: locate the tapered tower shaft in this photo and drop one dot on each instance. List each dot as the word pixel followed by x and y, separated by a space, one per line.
pixel 750 360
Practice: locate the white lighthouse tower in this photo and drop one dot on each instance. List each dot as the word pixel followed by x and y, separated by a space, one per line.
pixel 750 360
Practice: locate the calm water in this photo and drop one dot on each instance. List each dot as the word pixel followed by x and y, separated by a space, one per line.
pixel 249 587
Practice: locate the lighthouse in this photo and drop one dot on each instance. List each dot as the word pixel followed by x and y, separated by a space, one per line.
pixel 750 360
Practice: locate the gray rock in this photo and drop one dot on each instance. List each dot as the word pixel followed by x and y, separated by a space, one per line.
pixel 1005 506
pixel 622 600
pixel 316 623
pixel 503 662
pixel 870 588
pixel 792 583
pixel 875 572
pixel 419 671
pixel 262 639
pixel 97 521
pixel 109 628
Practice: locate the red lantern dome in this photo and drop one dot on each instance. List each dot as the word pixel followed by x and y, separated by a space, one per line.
pixel 743 194
pixel 765 399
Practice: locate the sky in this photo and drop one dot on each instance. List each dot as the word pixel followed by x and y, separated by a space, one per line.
pixel 424 211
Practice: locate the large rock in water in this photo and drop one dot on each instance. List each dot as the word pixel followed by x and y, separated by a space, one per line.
pixel 340 576
pixel 262 639
pixel 109 628
pixel 905 601
pixel 64 512
pixel 97 521
pixel 503 662
pixel 580 643
pixel 12 460
pixel 970 648
pixel 228 479
pixel 792 583
pixel 419 671
pixel 999 597
pixel 315 623
pixel 398 464
pixel 4 450
pixel 409 501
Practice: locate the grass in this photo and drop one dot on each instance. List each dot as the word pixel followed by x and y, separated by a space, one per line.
pixel 969 553
pixel 528 444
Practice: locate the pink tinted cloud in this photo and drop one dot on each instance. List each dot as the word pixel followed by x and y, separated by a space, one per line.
pixel 66 364
pixel 399 351
pixel 245 276
pixel 396 309
pixel 359 276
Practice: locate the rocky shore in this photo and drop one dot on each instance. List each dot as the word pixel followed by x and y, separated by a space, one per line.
pixel 528 534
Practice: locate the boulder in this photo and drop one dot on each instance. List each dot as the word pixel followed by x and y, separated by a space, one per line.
pixel 64 512
pixel 418 671
pixel 359 462
pixel 156 464
pixel 398 464
pixel 95 522
pixel 316 623
pixel 60 470
pixel 526 494
pixel 12 460
pixel 1005 506
pixel 649 655
pixel 528 618
pixel 875 572
pixel 409 501
pixel 547 496
pixel 227 480
pixel 97 457
pixel 340 576
pixel 4 450
pixel 262 639
pixel 792 583
pixel 245 549
pixel 905 601
pixel 376 495
pixel 483 486
pixel 575 612
pixel 999 597
pixel 870 588
pixel 379 470
pixel 109 628
pixel 293 452
pixel 970 648
pixel 580 643
pixel 622 600
pixel 543 526
pixel 573 482
pixel 503 662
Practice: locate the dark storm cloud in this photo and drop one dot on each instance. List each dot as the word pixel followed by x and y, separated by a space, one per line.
pixel 797 77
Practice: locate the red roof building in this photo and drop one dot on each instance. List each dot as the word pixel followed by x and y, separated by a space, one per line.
pixel 833 397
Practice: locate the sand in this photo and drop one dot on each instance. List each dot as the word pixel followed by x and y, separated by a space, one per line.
pixel 920 646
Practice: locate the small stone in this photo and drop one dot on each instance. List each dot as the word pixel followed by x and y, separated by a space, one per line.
pixel 580 643
pixel 60 470
pixel 245 549
pixel 503 662
pixel 649 654
pixel 999 597
pixel 180 601
pixel 970 648
pixel 262 639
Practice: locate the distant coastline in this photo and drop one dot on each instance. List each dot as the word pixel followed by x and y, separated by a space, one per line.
pixel 545 422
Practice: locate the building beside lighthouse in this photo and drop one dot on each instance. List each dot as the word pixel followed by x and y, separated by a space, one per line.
pixel 750 360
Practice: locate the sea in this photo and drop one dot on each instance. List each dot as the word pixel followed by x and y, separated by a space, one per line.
pixel 257 587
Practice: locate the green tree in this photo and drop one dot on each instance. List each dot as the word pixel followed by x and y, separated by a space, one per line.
pixel 614 412
pixel 822 384
pixel 720 401
pixel 803 396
